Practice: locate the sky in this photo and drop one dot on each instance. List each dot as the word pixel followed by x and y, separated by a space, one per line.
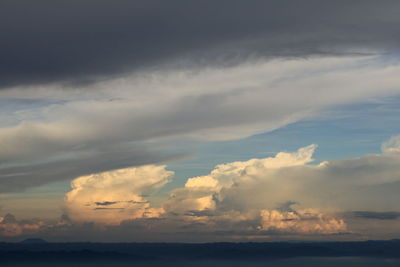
pixel 199 121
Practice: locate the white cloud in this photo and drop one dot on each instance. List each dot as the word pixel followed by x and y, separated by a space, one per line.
pixel 205 195
pixel 392 145
pixel 114 196
pixel 260 185
pixel 230 175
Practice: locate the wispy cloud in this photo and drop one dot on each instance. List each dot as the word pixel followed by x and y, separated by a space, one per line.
pixel 94 134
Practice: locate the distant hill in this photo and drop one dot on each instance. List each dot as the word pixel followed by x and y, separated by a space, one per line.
pixel 34 241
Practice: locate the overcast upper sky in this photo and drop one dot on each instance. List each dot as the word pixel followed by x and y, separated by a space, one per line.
pixel 84 41
pixel 224 118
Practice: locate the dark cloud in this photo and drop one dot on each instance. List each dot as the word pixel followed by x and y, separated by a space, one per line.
pixel 80 41
pixel 19 178
pixel 108 209
pixel 391 215
pixel 287 206
pixel 200 213
pixel 107 203
pixel 8 218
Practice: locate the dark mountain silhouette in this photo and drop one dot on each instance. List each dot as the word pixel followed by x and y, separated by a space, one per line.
pixel 33 241
pixel 129 252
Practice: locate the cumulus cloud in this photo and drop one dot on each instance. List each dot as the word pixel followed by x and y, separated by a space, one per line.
pixel 206 191
pixel 260 185
pixel 356 183
pixel 204 198
pixel 284 195
pixel 114 196
pixel 306 221
pixel 10 226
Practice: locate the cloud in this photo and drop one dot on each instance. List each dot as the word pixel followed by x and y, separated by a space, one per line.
pixel 377 215
pixel 20 175
pixel 111 198
pixel 130 121
pixel 301 222
pixel 392 145
pixel 90 40
pixel 106 87
pixel 115 196
pixel 10 226
pixel 285 196
pixel 357 184
pixel 257 188
pixel 204 197
pixel 204 192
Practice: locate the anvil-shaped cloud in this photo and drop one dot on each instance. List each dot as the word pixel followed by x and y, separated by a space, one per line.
pixel 114 196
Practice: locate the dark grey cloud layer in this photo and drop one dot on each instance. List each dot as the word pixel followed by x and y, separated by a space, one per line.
pixel 80 41
pixel 388 215
pixel 19 178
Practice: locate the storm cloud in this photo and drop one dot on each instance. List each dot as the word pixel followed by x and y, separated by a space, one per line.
pixel 79 42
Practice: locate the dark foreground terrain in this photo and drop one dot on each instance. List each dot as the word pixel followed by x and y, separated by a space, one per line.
pixel 34 253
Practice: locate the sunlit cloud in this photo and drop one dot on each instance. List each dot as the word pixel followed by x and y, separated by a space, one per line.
pixel 307 221
pixel 243 196
pixel 283 195
pixel 10 226
pixel 115 196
